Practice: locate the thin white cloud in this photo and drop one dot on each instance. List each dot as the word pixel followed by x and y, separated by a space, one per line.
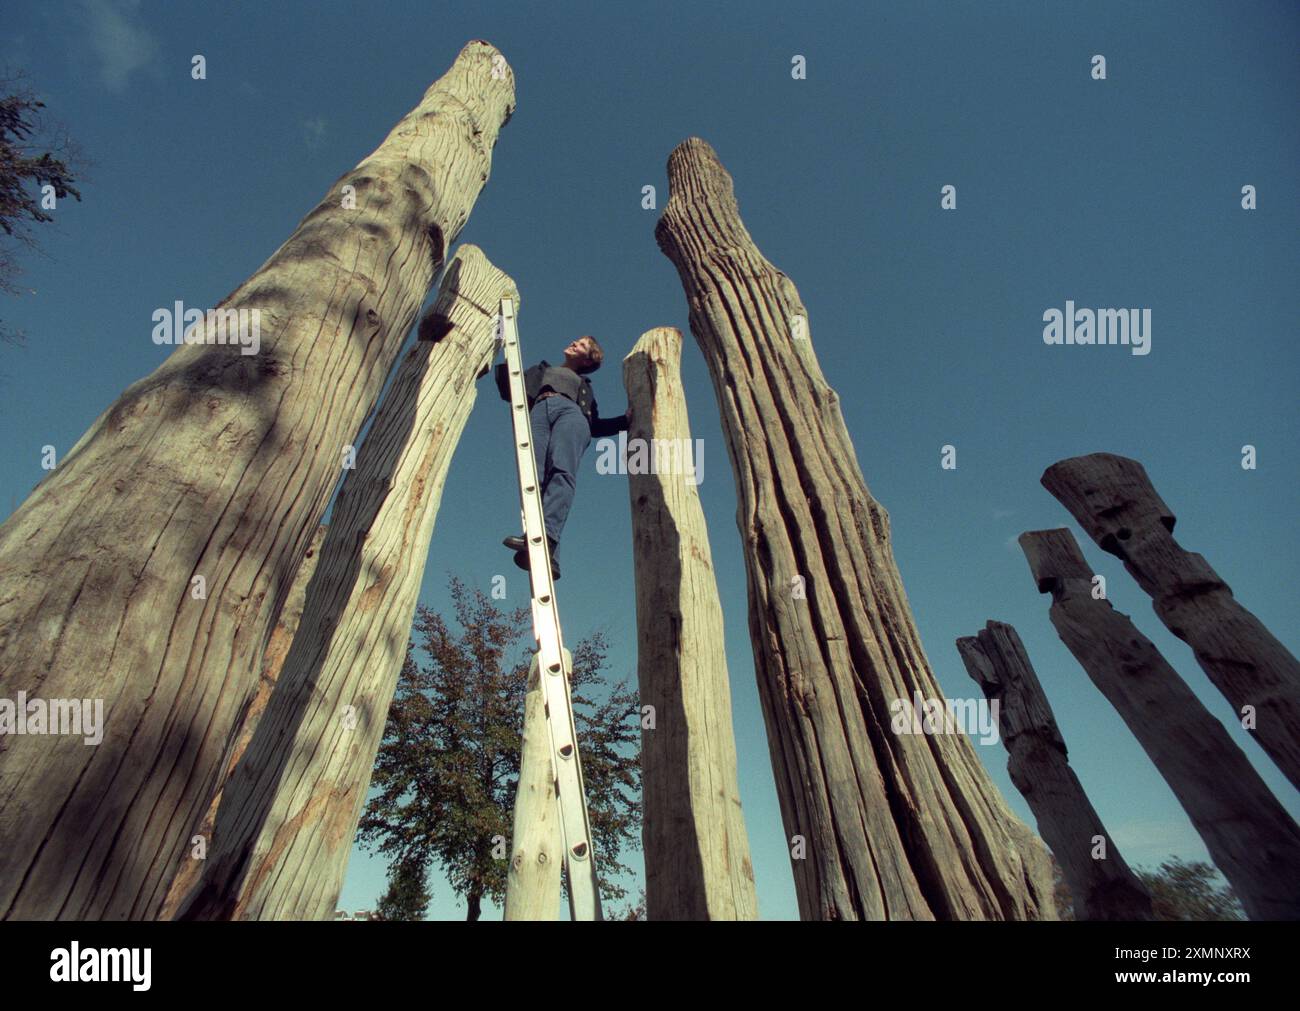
pixel 313 130
pixel 121 43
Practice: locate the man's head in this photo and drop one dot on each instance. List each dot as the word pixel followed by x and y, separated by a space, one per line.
pixel 584 355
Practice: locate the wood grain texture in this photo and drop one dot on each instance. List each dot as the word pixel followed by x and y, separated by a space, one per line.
pixel 537 837
pixel 896 826
pixel 1103 887
pixel 289 815
pixel 1249 835
pixel 697 864
pixel 217 464
pixel 272 663
pixel 1114 501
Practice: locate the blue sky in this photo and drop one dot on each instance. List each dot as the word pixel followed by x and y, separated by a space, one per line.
pixel 1117 193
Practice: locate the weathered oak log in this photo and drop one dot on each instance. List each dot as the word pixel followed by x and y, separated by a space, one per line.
pixel 1251 838
pixel 697 863
pixel 289 814
pixel 1114 501
pixel 217 465
pixel 894 826
pixel 537 837
pixel 1103 887
pixel 272 663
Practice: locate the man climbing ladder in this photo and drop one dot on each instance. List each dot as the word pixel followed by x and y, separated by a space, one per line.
pixel 579 858
pixel 564 417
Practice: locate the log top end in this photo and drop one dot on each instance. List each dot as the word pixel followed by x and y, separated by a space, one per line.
pixel 696 173
pixel 1053 557
pixel 481 78
pixel 1111 497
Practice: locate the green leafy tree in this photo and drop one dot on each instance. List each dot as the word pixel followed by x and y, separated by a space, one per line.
pixel 407 897
pixel 632 913
pixel 1179 891
pixel 24 170
pixel 1190 891
pixel 448 766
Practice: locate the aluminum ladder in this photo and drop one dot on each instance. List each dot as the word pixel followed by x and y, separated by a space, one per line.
pixel 556 663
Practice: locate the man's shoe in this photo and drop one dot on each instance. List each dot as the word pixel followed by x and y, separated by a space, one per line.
pixel 521 559
pixel 515 543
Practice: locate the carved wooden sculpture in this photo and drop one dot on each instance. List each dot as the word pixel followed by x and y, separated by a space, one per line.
pixel 288 816
pixel 893 826
pixel 1113 500
pixel 1251 838
pixel 218 465
pixel 1102 885
pixel 693 830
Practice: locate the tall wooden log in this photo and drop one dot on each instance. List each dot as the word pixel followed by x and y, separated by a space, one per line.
pixel 272 663
pixel 1114 501
pixel 217 466
pixel 696 849
pixel 537 837
pixel 289 815
pixel 1103 887
pixel 1250 836
pixel 893 826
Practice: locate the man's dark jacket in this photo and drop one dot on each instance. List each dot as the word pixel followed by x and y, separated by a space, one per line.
pixel 586 399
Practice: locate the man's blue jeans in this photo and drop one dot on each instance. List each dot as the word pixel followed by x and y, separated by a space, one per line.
pixel 561 435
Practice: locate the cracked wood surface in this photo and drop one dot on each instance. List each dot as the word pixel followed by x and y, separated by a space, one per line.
pixel 272 663
pixel 1114 501
pixel 1103 888
pixel 289 815
pixel 697 864
pixel 1249 835
pixel 219 465
pixel 536 836
pixel 896 826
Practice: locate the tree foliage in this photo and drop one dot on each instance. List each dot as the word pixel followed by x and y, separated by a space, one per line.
pixel 24 170
pixel 448 766
pixel 1179 891
pixel 407 897
pixel 1190 891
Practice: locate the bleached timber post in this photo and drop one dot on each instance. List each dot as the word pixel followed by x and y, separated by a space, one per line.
pixel 290 813
pixel 1249 835
pixel 881 825
pixel 216 467
pixel 697 864
pixel 1103 887
pixel 272 664
pixel 537 837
